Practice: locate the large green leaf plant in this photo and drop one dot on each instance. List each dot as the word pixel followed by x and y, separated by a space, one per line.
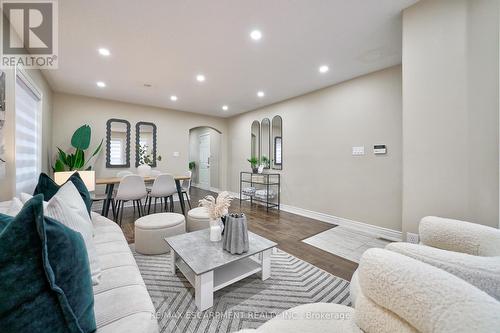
pixel 76 160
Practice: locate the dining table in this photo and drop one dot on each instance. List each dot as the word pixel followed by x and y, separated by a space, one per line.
pixel 110 183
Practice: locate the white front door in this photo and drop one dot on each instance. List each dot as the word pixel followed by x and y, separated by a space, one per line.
pixel 204 163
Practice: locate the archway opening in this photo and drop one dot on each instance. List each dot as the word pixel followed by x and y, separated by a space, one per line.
pixel 205 157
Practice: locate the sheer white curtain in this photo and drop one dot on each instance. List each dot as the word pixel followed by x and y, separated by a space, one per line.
pixel 28 135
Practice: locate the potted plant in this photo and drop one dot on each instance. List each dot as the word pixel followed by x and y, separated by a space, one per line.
pixel 145 160
pixel 265 162
pixel 76 160
pixel 254 163
pixel 192 165
pixel 216 209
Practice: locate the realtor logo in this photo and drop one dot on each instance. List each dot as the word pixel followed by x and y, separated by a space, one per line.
pixel 29 34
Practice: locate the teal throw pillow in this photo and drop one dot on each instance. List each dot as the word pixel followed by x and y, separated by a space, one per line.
pixel 45 282
pixel 49 188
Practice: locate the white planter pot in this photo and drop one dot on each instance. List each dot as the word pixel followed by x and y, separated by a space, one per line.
pixel 144 170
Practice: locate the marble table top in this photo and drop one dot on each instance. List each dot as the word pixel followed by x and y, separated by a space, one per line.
pixel 202 255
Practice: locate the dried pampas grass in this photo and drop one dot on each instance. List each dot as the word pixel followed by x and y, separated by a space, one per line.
pixel 217 207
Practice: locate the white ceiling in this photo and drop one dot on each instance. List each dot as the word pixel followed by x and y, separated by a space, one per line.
pixel 167 43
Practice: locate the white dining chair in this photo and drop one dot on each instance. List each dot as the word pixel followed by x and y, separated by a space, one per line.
pixel 131 188
pixel 163 188
pixel 186 188
pixel 155 173
pixel 103 197
pixel 122 174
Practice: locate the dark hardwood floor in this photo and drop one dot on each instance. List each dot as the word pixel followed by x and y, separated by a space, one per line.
pixel 288 230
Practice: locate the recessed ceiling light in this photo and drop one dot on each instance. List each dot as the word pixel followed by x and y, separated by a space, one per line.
pixel 101 84
pixel 323 69
pixel 260 94
pixel 104 52
pixel 173 98
pixel 256 35
pixel 200 78
pixel 225 107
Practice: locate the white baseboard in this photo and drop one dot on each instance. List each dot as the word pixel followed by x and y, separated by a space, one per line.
pixel 389 234
pixel 211 189
pixel 385 233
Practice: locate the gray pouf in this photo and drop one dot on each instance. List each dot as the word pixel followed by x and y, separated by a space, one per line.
pixel 151 231
pixel 198 219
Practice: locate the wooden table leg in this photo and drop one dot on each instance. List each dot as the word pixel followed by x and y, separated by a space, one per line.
pixel 204 290
pixel 181 197
pixel 265 259
pixel 107 201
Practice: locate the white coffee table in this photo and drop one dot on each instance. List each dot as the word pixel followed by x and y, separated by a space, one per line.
pixel 209 268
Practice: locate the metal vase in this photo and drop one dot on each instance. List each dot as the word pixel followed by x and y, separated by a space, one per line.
pixel 235 238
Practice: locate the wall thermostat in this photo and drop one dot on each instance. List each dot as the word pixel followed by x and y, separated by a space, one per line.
pixel 379 149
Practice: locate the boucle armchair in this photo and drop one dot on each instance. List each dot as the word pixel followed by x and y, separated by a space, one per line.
pixel 467 250
pixel 397 294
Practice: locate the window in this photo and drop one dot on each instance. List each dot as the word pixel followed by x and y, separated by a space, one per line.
pixel 116 151
pixel 28 134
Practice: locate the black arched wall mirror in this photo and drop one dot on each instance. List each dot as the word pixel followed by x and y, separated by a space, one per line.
pixel 266 142
pixel 117 143
pixel 265 126
pixel 145 144
pixel 277 141
pixel 255 140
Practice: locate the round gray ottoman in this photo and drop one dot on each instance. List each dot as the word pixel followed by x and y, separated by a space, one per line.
pixel 151 231
pixel 197 219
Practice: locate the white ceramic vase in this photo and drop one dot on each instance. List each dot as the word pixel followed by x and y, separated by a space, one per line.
pixel 144 170
pixel 215 230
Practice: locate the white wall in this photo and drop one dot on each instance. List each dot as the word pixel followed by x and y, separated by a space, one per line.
pixel 450 111
pixel 7 184
pixel 319 129
pixel 71 111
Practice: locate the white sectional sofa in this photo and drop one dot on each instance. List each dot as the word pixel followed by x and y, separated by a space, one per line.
pixel 121 300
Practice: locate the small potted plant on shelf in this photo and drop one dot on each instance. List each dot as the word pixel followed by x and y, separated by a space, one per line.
pixel 145 160
pixel 264 161
pixel 254 163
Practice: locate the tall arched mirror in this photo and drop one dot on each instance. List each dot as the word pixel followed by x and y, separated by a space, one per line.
pixel 265 128
pixel 117 143
pixel 255 140
pixel 145 144
pixel 277 142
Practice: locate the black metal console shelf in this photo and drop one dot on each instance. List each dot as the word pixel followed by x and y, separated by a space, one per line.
pixel 267 181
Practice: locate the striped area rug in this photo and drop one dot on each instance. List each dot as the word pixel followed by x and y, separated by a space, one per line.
pixel 245 304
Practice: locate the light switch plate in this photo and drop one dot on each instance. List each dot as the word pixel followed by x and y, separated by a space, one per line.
pixel 357 151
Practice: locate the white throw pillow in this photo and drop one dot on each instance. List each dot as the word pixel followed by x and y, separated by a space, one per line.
pixel 68 207
pixel 71 197
pixel 25 197
pixel 14 208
